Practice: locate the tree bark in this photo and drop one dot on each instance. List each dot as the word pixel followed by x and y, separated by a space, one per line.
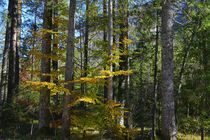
pixel 105 40
pixel 55 48
pixel 4 63
pixel 110 44
pixel 13 15
pixel 169 130
pixel 44 99
pixel 3 83
pixel 127 100
pixel 114 40
pixel 123 86
pixel 155 78
pixel 86 39
pixel 69 70
pixel 86 48
pixel 141 96
pixel 123 14
pixel 18 38
pixel 81 55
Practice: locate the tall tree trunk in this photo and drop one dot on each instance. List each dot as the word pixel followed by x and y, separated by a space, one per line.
pixel 86 40
pixel 86 48
pixel 169 130
pixel 44 99
pixel 81 54
pixel 110 44
pixel 114 40
pixel 105 40
pixel 18 38
pixel 69 70
pixel 3 74
pixel 127 100
pixel 123 93
pixel 141 96
pixel 155 78
pixel 13 15
pixel 204 43
pixel 55 47
pixel 123 11
pixel 34 42
pixel 3 83
pixel 4 62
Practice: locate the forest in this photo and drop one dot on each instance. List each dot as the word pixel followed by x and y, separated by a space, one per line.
pixel 104 69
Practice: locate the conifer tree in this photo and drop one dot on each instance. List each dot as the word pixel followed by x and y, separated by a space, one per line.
pixel 44 100
pixel 169 130
pixel 65 131
pixel 13 15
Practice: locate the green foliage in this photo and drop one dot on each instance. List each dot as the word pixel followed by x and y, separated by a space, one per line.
pixel 189 125
pixel 96 118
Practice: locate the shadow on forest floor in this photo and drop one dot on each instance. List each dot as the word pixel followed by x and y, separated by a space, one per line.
pixel 23 132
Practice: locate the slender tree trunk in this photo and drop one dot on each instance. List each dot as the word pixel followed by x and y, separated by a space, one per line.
pixel 169 130
pixel 105 40
pixel 206 67
pixel 55 47
pixel 127 102
pixel 65 131
pixel 34 42
pixel 123 11
pixel 123 8
pixel 114 40
pixel 181 74
pixel 159 116
pixel 110 44
pixel 202 130
pixel 141 103
pixel 55 62
pixel 13 15
pixel 86 40
pixel 4 63
pixel 32 127
pixel 32 56
pixel 204 43
pixel 3 74
pixel 105 16
pixel 123 85
pixel 18 38
pixel 81 58
pixel 86 49
pixel 44 99
pixel 3 83
pixel 155 80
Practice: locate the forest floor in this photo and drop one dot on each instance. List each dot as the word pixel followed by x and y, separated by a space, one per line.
pixel 91 134
pixel 191 137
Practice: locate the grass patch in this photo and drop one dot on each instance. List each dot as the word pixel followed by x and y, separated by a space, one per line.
pixel 191 137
